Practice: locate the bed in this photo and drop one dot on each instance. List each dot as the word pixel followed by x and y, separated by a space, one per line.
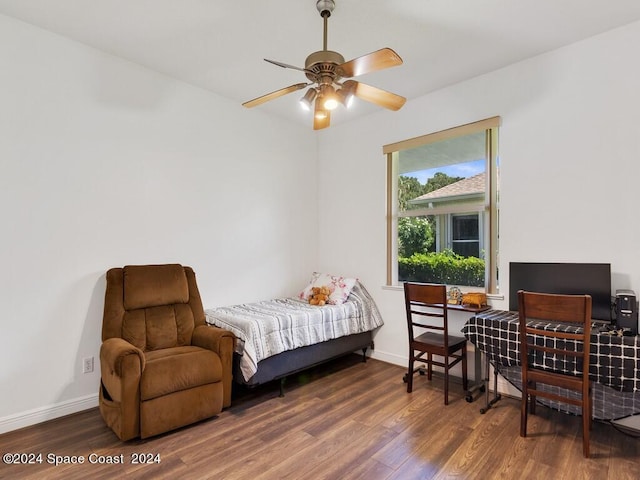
pixel 279 337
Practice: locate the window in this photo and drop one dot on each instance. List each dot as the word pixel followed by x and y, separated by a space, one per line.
pixel 442 207
pixel 465 235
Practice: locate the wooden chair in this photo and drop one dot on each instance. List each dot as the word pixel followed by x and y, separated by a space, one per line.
pixel 572 346
pixel 427 322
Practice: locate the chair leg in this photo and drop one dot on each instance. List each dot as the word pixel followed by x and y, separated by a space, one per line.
pixel 429 366
pixel 446 380
pixel 586 421
pixel 532 400
pixel 410 374
pixel 524 408
pixel 465 382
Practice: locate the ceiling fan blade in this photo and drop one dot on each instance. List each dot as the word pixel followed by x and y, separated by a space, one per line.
pixel 378 60
pixel 320 123
pixel 375 95
pixel 284 65
pixel 272 95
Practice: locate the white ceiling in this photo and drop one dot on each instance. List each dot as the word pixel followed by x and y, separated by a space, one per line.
pixel 219 45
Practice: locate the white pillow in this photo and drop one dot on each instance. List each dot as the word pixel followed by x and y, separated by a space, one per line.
pixel 340 287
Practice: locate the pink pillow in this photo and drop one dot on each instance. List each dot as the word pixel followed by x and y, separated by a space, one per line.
pixel 340 287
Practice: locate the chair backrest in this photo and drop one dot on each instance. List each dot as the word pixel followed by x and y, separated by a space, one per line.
pixel 152 306
pixel 426 307
pixel 555 332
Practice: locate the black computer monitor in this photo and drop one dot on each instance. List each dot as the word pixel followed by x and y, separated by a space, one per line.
pixel 565 278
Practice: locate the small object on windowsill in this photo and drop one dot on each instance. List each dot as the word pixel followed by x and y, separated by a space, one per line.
pixel 474 299
pixel 454 296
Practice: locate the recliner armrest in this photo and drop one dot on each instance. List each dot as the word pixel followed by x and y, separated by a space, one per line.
pixel 213 338
pixel 112 354
pixel 121 367
pixel 222 342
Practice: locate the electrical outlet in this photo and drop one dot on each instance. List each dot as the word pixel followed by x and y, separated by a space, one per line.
pixel 87 365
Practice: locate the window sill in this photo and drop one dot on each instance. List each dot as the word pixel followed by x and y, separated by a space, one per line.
pixel 490 296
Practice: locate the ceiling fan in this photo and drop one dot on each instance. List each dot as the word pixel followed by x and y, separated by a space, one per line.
pixel 327 69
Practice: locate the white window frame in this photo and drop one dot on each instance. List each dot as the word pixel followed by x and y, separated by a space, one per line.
pixel 488 211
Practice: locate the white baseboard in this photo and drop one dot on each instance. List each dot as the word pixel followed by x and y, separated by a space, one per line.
pixel 504 387
pixel 389 358
pixel 42 414
pixel 403 362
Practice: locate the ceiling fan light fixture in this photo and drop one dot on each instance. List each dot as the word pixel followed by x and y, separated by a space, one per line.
pixel 320 113
pixel 330 99
pixel 331 103
pixel 307 100
pixel 345 96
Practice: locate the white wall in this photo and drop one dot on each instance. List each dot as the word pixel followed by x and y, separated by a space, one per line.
pixel 570 169
pixel 104 163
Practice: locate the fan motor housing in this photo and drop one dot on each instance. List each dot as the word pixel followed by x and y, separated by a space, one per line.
pixel 323 62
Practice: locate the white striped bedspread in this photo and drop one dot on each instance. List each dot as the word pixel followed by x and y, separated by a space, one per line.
pixel 270 327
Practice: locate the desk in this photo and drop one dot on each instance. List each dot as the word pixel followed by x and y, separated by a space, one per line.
pixel 467 308
pixel 614 365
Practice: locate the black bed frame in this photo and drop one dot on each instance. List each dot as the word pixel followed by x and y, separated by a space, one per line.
pixel 278 367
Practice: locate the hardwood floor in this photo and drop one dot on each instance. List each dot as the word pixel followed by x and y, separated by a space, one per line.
pixel 346 420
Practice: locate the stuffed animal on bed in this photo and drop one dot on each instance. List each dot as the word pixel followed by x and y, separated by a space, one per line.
pixel 319 296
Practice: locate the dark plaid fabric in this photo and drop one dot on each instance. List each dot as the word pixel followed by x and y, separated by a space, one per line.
pixel 614 361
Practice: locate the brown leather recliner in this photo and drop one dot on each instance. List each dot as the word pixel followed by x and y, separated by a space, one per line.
pixel 162 366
